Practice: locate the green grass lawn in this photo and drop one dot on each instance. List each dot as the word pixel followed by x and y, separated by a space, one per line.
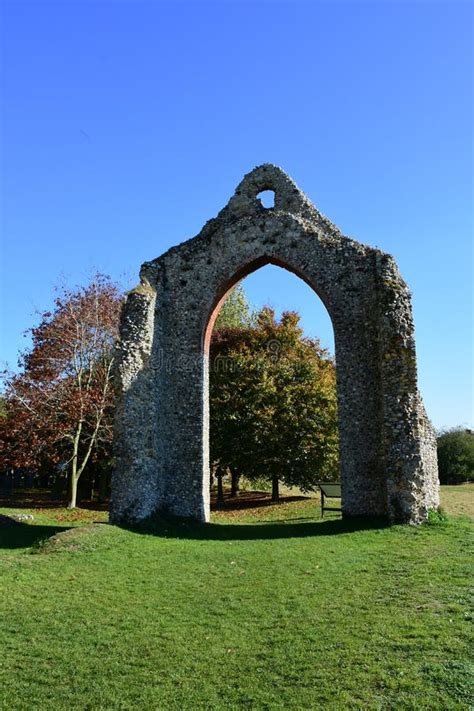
pixel 266 608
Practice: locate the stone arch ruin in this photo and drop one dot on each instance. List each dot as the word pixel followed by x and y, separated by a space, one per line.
pixel 387 444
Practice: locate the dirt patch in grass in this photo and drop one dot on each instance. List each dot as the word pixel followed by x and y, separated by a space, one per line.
pixel 43 499
pixel 250 500
pixel 258 506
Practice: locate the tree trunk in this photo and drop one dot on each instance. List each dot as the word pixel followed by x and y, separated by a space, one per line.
pixel 76 470
pixel 275 489
pixel 75 474
pixel 73 479
pixel 234 491
pixel 103 485
pixel 220 490
pixel 93 486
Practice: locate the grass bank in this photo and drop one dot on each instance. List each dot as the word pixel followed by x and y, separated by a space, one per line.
pixel 266 608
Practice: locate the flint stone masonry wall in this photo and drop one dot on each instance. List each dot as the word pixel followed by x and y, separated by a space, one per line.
pixel 388 447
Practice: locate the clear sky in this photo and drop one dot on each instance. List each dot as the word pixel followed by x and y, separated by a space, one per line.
pixel 127 125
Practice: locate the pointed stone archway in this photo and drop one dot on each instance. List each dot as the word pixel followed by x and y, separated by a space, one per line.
pixel 387 444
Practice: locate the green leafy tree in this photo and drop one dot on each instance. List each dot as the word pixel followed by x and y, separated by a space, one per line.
pixel 273 404
pixel 235 311
pixel 456 456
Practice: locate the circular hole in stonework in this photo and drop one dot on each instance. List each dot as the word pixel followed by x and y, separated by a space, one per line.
pixel 267 198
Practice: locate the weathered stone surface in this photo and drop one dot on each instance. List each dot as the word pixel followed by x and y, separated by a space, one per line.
pixel 388 448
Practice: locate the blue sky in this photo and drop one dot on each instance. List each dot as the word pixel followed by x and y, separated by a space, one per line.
pixel 127 125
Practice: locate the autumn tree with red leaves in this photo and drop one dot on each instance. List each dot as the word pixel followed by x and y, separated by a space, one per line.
pixel 59 405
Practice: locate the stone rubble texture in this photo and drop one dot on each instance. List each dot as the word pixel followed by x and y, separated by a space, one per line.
pixel 387 443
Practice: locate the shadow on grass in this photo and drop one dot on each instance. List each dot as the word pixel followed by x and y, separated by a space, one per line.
pixel 14 534
pixel 251 500
pixel 268 530
pixel 45 500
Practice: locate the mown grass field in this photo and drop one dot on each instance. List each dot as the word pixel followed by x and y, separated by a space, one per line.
pixel 265 608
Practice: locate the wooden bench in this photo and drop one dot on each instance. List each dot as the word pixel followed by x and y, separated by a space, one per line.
pixel 329 490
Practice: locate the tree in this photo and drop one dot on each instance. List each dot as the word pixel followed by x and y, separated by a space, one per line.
pixel 235 311
pixel 273 404
pixel 59 405
pixel 456 456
